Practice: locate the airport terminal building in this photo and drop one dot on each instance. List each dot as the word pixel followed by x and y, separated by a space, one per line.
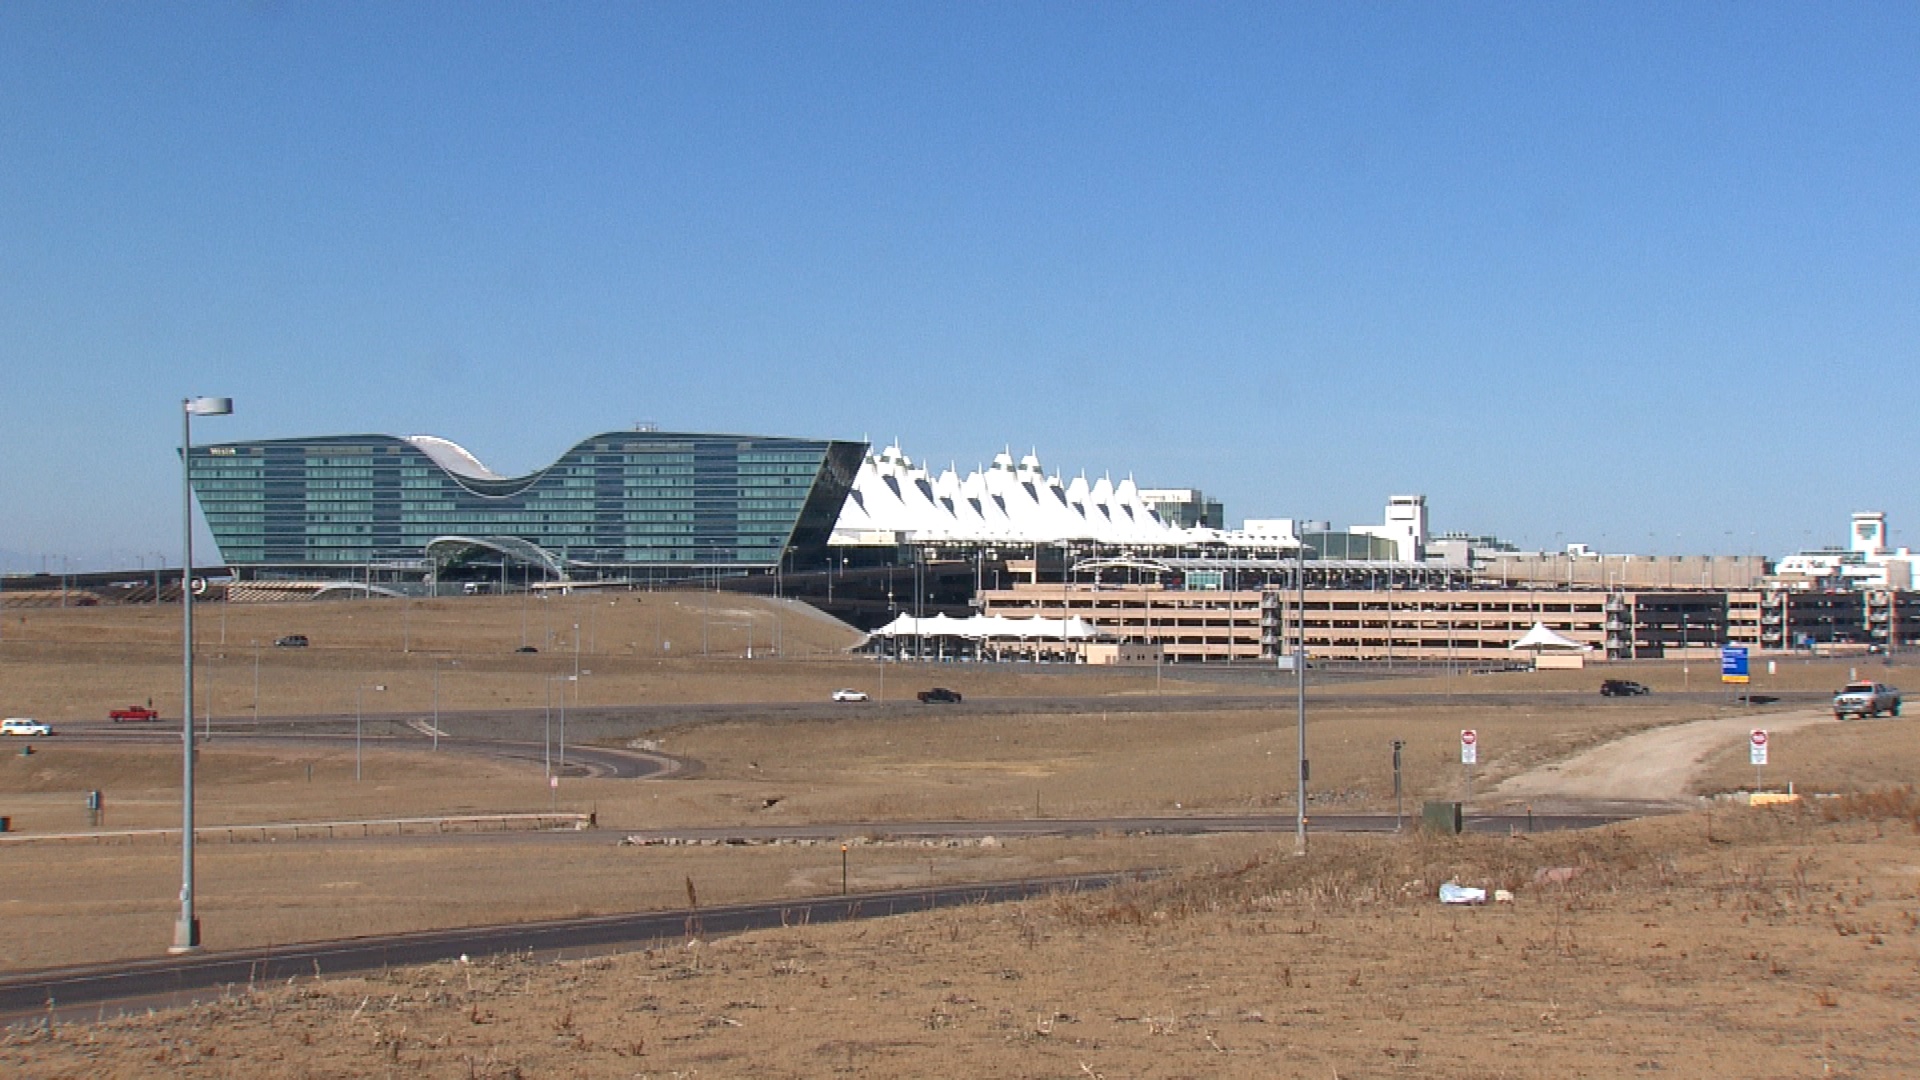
pixel 621 503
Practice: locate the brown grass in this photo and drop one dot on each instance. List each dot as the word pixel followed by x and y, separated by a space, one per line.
pixel 76 664
pixel 1851 756
pixel 1772 943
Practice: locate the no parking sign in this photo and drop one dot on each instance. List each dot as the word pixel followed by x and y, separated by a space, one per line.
pixel 1757 747
pixel 1469 747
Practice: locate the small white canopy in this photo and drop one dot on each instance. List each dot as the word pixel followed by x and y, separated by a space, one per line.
pixel 1542 639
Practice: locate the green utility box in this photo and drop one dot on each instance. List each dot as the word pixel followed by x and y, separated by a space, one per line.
pixel 1442 817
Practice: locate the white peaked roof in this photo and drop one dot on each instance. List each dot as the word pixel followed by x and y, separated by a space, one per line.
pixel 1542 639
pixel 1011 502
pixel 984 627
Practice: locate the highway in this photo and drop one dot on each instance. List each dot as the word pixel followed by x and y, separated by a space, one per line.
pixel 1185 825
pixel 600 723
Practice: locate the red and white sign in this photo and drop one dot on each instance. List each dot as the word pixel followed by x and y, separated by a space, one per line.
pixel 1469 747
pixel 1757 747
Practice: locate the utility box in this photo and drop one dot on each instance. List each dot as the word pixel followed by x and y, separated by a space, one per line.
pixel 1442 817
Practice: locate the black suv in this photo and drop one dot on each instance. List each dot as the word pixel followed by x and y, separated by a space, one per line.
pixel 939 694
pixel 292 641
pixel 1622 688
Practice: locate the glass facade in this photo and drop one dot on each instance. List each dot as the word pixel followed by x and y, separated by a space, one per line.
pixel 620 499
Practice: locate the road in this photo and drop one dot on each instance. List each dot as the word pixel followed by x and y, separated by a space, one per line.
pixel 616 721
pixel 96 991
pixel 579 760
pixel 1650 772
pixel 1186 825
pixel 99 990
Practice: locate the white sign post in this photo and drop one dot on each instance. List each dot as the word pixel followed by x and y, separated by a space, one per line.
pixel 1469 756
pixel 1757 753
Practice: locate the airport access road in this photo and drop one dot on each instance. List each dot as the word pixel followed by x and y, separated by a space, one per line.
pixel 1024 828
pixel 578 760
pixel 97 991
pixel 597 723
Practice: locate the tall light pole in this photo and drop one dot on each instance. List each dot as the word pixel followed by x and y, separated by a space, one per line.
pixel 1300 683
pixel 186 932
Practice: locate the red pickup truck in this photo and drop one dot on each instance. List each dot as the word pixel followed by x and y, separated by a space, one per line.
pixel 134 714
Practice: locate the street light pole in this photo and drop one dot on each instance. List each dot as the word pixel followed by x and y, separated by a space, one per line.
pixel 186 932
pixel 1300 683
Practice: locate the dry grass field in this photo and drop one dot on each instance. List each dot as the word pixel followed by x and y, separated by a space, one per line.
pixel 633 648
pixel 1755 943
pixel 102 901
pixel 116 900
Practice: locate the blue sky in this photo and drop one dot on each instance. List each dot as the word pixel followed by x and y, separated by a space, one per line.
pixel 1644 276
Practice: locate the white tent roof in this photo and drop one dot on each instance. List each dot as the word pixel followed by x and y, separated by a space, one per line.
pixel 1541 639
pixel 985 627
pixel 1007 502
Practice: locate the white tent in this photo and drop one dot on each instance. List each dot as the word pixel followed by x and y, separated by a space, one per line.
pixel 989 627
pixel 1542 639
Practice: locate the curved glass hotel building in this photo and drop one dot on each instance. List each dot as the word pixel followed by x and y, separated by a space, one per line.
pixel 615 503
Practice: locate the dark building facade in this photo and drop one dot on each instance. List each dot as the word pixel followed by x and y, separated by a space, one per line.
pixel 615 502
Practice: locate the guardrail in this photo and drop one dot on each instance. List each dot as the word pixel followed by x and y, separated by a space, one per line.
pixel 321 830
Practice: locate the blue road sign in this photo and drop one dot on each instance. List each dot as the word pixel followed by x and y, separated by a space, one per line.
pixel 1733 664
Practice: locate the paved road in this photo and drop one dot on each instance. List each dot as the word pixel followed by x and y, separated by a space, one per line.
pixel 1186 825
pixel 578 761
pixel 614 723
pixel 101 990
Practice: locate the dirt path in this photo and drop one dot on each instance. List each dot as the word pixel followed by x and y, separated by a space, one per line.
pixel 1652 770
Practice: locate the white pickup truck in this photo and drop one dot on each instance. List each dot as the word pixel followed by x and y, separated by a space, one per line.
pixel 1866 699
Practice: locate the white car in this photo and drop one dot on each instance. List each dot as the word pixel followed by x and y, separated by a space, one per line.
pixel 20 725
pixel 849 695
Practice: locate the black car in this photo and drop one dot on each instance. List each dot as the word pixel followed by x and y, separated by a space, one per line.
pixel 1622 688
pixel 526 648
pixel 292 641
pixel 939 694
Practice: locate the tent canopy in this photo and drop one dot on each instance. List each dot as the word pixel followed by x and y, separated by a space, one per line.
pixel 1542 639
pixel 989 627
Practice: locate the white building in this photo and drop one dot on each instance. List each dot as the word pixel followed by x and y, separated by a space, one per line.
pixel 1405 525
pixel 1867 563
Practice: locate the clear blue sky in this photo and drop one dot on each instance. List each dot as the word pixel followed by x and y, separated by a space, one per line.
pixel 1644 276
